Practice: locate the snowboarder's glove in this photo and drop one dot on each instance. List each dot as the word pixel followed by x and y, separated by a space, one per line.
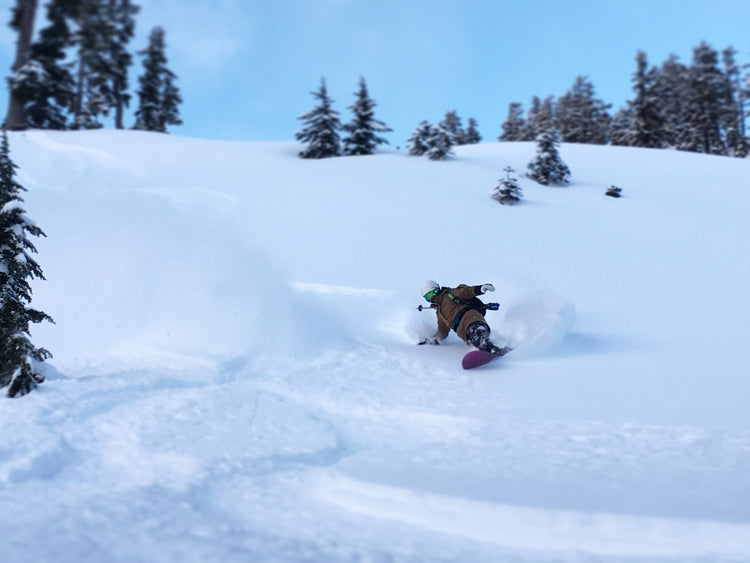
pixel 487 287
pixel 493 306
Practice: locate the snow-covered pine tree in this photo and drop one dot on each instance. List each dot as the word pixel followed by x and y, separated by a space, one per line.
pixel 540 118
pixel 17 353
pixel 528 133
pixel 45 84
pixel 547 167
pixel 439 143
pixel 508 190
pixel 646 128
pixel 159 98
pixel 417 143
pixel 451 123
pixel 706 104
pixel 671 86
pixel 92 87
pixel 322 126
pixel 363 130
pixel 581 117
pixel 472 136
pixel 514 124
pixel 619 129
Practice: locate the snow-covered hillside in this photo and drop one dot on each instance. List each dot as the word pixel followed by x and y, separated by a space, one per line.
pixel 235 376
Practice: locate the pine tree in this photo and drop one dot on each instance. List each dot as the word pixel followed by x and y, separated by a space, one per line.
pixel 417 143
pixel 120 23
pixel 322 125
pixel 439 143
pixel 514 124
pixel 363 130
pixel 529 132
pixel 619 129
pixel 451 124
pixel 17 353
pixel 540 118
pixel 508 191
pixel 547 167
pixel 671 86
pixel 158 96
pixel 646 128
pixel 472 136
pixel 581 117
pixel 706 105
pixel 44 84
pixel 92 96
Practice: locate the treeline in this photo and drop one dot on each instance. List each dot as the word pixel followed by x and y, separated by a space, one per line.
pixel 76 71
pixel 701 107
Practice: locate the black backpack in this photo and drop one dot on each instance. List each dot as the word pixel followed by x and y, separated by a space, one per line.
pixel 475 303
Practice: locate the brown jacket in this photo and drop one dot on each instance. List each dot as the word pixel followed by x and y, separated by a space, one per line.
pixel 449 310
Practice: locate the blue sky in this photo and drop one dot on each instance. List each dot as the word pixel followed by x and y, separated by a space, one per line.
pixel 246 68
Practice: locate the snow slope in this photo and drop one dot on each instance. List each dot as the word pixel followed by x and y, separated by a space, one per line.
pixel 236 376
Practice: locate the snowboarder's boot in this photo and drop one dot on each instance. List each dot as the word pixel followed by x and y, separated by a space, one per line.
pixel 478 334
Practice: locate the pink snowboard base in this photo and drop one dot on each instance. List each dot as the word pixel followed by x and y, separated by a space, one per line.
pixel 477 358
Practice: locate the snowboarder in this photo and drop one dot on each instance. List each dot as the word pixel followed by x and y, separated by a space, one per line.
pixel 458 308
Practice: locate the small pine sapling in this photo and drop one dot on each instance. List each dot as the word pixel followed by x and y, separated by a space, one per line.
pixel 547 167
pixel 508 191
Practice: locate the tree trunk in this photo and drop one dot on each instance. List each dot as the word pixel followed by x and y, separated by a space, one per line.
pixel 78 101
pixel 15 118
pixel 119 108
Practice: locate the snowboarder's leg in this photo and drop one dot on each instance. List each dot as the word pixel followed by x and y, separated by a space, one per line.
pixel 478 334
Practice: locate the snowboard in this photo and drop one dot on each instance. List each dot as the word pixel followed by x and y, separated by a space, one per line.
pixel 477 358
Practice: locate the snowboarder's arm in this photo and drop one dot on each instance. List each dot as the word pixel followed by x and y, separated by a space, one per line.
pixel 466 292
